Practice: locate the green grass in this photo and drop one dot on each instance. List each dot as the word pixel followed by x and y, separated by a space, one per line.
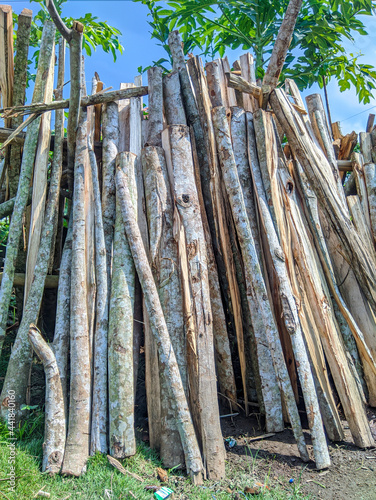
pixel 102 481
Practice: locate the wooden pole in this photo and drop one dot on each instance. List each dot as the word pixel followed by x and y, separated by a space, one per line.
pixel 54 426
pixel 159 328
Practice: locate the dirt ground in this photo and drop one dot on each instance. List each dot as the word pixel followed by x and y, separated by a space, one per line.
pixel 352 475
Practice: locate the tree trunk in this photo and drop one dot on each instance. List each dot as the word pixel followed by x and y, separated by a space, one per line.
pixel 23 359
pixel 159 329
pixel 201 365
pixel 20 79
pixel 54 426
pixel 165 265
pixel 262 317
pixel 99 409
pixel 78 439
pixel 120 334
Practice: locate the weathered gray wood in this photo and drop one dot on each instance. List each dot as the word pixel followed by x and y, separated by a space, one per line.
pixel 165 266
pixel 39 183
pixel 215 205
pixel 201 365
pixel 121 327
pixel 172 100
pixel 20 79
pixel 155 107
pixel 289 309
pixel 159 328
pixel 262 317
pixel 99 408
pixel 323 135
pixel 15 227
pixel 54 425
pixel 225 371
pixel 78 439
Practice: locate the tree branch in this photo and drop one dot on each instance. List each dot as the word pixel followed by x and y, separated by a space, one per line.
pixel 59 23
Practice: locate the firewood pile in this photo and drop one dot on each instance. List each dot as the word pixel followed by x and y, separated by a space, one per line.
pixel 226 225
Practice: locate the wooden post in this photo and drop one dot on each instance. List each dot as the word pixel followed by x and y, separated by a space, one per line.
pixel 54 426
pixel 159 329
pixel 201 366
pixel 262 317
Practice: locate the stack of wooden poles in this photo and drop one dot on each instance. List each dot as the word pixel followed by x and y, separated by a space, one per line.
pixel 214 230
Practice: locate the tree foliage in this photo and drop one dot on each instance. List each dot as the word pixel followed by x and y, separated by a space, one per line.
pixel 317 52
pixel 97 33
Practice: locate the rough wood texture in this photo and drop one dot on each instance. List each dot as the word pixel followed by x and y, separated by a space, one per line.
pixel 110 129
pixel 282 44
pixel 30 147
pixel 121 327
pixel 225 371
pixel 172 100
pixel 155 107
pixel 78 439
pixel 215 204
pixel 99 408
pixel 323 135
pixel 201 365
pixel 54 425
pixel 20 79
pixel 262 316
pixel 165 266
pixel 289 307
pixel 91 100
pixel 39 183
pixel 159 328
pixel 316 168
pixel 6 57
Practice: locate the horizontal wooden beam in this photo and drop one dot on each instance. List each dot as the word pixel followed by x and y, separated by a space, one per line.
pixel 52 280
pixel 91 100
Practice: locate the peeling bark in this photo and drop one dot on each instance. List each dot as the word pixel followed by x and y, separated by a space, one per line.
pixel 262 317
pixel 54 426
pixel 159 328
pixel 120 334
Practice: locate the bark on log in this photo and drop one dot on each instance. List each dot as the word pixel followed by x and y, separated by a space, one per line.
pixel 263 321
pixel 110 130
pixel 201 363
pixel 165 266
pixel 39 183
pixel 155 107
pixel 78 439
pixel 369 169
pixel 215 205
pixel 225 371
pixel 324 136
pixel 90 100
pixel 19 364
pixel 62 322
pixel 172 100
pixel 30 146
pixel 282 44
pixel 121 327
pixel 99 408
pixel 159 328
pixel 290 312
pixel 19 89
pixel 6 56
pixel 54 426
pixel 316 168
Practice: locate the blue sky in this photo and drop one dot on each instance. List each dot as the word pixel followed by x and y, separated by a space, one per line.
pixel 140 50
